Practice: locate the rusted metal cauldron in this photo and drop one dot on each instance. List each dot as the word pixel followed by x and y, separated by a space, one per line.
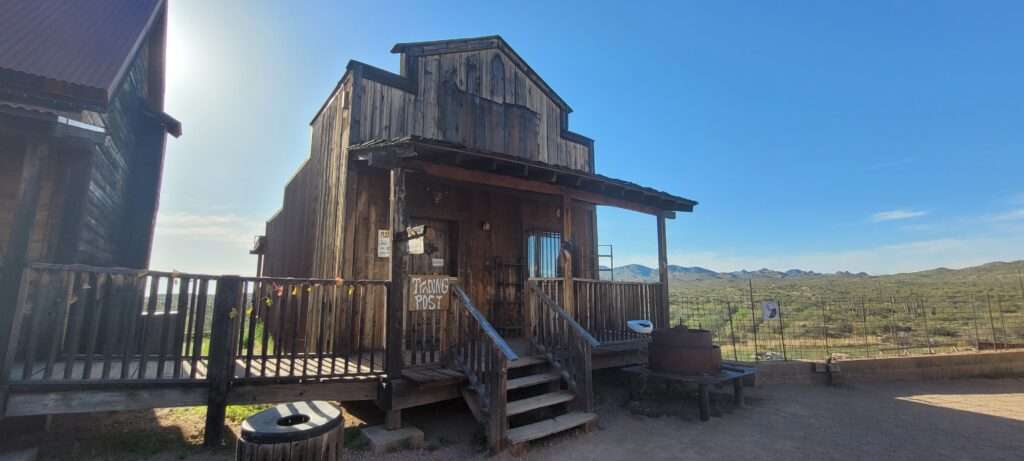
pixel 685 351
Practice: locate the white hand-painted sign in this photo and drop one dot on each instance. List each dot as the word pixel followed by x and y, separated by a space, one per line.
pixel 428 292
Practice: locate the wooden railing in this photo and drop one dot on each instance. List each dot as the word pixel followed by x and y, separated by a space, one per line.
pixel 106 325
pixel 309 328
pixel 77 324
pixel 565 342
pixel 482 354
pixel 603 307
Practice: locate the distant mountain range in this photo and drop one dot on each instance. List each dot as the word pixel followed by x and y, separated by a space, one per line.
pixel 641 273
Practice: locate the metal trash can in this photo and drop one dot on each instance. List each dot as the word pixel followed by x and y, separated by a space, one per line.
pixel 312 430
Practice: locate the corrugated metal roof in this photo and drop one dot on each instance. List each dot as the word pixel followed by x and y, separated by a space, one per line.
pixel 85 43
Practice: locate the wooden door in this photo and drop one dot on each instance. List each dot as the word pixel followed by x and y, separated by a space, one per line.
pixel 439 249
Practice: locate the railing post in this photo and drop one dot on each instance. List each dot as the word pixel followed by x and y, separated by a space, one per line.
pixel 663 308
pixel 567 253
pixel 221 366
pixel 497 418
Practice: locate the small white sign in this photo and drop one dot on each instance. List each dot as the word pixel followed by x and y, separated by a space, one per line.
pixel 383 243
pixel 437 262
pixel 770 309
pixel 414 246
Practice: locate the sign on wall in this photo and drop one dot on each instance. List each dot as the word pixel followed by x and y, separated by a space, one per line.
pixel 428 292
pixel 383 243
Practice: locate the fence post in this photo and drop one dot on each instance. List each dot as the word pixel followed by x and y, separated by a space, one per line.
pixel 864 315
pixel 218 375
pixel 732 333
pixel 927 330
pixel 991 321
pixel 824 329
pixel 782 332
pixel 753 316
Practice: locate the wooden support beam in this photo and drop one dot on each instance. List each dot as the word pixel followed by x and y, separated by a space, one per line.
pixel 511 182
pixel 396 301
pixel 36 154
pixel 221 369
pixel 395 308
pixel 567 246
pixel 663 308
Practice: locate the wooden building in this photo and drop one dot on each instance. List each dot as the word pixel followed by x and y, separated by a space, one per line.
pixel 82 133
pixel 82 129
pixel 462 169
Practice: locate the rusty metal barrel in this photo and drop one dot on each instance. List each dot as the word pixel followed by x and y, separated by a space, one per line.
pixel 312 430
pixel 684 351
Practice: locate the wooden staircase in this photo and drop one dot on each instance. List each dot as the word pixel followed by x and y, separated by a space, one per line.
pixel 538 404
pixel 520 396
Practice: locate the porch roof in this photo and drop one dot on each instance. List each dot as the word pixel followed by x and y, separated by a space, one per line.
pixel 543 177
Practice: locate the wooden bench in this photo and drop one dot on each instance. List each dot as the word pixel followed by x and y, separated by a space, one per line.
pixel 728 373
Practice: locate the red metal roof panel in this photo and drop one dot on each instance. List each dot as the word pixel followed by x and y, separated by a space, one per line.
pixel 85 43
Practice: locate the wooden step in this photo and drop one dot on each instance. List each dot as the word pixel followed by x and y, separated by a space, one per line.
pixel 527 361
pixel 540 401
pixel 548 427
pixel 533 380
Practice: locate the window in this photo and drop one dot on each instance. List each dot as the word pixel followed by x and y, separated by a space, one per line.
pixel 542 249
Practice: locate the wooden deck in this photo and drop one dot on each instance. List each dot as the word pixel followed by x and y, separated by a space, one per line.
pixel 362 366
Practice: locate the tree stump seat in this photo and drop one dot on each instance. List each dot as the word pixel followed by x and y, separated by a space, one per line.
pixel 311 430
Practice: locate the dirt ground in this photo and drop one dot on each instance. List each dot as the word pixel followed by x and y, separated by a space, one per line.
pixel 975 419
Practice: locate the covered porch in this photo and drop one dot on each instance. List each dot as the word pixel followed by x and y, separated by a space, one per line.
pixel 542 238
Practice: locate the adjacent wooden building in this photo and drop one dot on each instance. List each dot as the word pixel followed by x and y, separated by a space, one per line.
pixel 82 129
pixel 462 167
pixel 82 132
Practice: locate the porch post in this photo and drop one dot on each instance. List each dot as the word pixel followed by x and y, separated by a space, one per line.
pixel 566 250
pixel 396 292
pixel 663 310
pixel 16 257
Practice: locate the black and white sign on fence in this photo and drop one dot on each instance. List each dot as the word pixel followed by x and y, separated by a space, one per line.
pixel 770 309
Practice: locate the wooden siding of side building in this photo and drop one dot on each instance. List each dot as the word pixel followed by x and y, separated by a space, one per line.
pixel 44 238
pixel 121 194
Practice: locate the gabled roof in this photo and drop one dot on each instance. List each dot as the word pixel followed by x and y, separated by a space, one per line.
pixel 460 45
pixel 76 49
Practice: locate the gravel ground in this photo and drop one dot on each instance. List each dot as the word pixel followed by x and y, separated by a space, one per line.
pixel 973 419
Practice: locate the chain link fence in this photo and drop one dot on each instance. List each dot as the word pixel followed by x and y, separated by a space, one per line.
pixel 815 328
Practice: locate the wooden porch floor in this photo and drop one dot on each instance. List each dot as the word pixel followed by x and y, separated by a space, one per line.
pixel 364 365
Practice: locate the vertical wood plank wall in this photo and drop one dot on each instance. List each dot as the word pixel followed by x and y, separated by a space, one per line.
pixel 478 99
pixel 333 207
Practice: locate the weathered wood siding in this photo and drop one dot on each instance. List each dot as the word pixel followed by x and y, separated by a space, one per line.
pixel 478 99
pixel 123 176
pixel 466 207
pixel 334 207
pixel 329 157
pixel 11 154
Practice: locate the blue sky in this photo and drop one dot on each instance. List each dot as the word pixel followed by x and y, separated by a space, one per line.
pixel 865 136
